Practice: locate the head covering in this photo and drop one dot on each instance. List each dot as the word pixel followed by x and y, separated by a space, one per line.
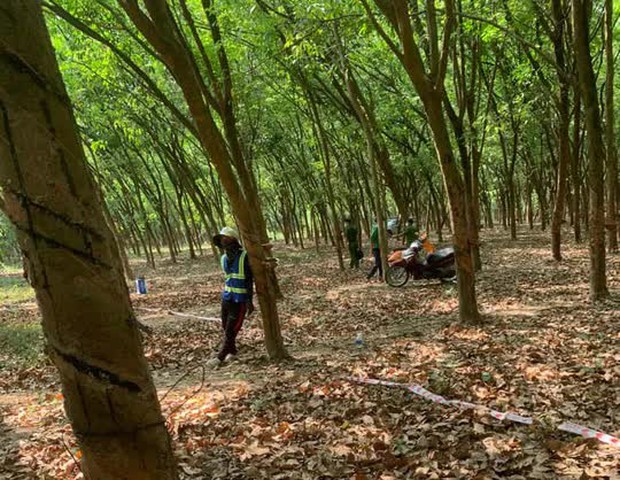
pixel 225 232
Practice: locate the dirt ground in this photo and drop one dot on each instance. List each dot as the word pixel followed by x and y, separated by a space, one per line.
pixel 543 352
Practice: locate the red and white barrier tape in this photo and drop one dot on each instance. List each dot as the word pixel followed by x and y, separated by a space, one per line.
pixel 589 433
pixel 426 394
pixel 513 417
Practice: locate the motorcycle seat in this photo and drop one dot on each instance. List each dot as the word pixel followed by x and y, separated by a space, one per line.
pixel 439 255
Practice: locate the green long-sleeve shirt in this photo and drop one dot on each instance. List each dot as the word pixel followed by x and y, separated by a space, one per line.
pixel 374 236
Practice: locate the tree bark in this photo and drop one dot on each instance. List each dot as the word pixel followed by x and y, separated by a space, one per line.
pixel 596 151
pixel 575 166
pixel 559 10
pixel 72 263
pixel 610 140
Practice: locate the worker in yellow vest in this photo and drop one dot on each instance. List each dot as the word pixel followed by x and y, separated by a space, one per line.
pixel 237 294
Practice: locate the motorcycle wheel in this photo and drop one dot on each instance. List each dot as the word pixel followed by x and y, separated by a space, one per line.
pixel 397 276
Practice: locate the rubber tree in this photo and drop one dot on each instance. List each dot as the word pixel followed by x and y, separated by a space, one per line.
pixel 428 81
pixel 208 97
pixel 557 34
pixel 72 262
pixel 596 149
pixel 610 140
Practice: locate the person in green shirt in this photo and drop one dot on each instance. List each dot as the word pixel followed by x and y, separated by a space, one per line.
pixel 376 253
pixel 351 235
pixel 411 233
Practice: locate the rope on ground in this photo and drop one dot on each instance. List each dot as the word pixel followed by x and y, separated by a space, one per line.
pixel 178 314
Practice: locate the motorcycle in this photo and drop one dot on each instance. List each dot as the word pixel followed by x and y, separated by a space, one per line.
pixel 422 262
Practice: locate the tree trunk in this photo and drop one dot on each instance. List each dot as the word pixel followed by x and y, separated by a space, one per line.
pixel 596 151
pixel 326 158
pixel 186 227
pixel 610 140
pixel 562 130
pixel 512 207
pixel 164 34
pixel 468 305
pixel 118 240
pixel 575 170
pixel 195 227
pixel 72 263
pixel 429 83
pixel 284 223
pixel 530 207
pixel 324 223
pixel 300 231
pixel 519 202
pixel 315 228
pixel 374 152
pixel 461 141
pixel 169 234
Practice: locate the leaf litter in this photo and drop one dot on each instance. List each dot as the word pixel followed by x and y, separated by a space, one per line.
pixel 543 351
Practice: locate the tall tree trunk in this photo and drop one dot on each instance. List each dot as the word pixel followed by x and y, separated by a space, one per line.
pixel 596 151
pixel 300 231
pixel 169 234
pixel 530 207
pixel 562 129
pixel 284 223
pixel 72 263
pixel 428 215
pixel 326 158
pixel 512 207
pixel 120 243
pixel 186 226
pixel 374 152
pixel 195 227
pixel 575 162
pixel 165 35
pixel 519 202
pixel 461 141
pixel 429 84
pixel 610 140
pixel 315 229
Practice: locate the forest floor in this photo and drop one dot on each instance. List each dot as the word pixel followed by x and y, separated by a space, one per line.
pixel 543 352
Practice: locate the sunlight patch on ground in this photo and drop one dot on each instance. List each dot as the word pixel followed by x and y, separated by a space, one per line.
pixel 424 353
pixel 503 309
pixel 575 289
pixel 363 288
pixel 531 253
pixel 469 334
pixel 537 372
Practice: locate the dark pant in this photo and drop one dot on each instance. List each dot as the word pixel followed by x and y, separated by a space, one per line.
pixel 232 319
pixel 355 261
pixel 377 266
